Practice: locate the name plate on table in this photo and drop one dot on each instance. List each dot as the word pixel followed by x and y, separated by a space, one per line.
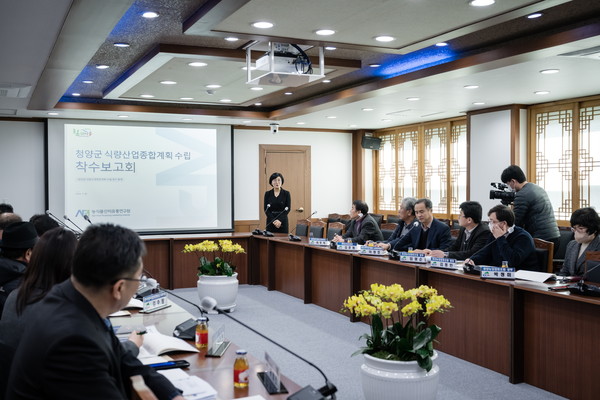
pixel 154 302
pixel 343 246
pixel 318 242
pixel 443 263
pixel 372 251
pixel 497 273
pixel 417 258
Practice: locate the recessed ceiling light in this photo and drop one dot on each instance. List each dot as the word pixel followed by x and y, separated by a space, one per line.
pixel 123 116
pixel 257 88
pixel 75 94
pixel 263 25
pixel 331 117
pixel 121 44
pixel 288 93
pixel 147 96
pixel 186 98
pixel 87 81
pixel 478 103
pixel 534 15
pixel 186 119
pixel 413 98
pixel 213 86
pixel 330 48
pixel 386 120
pixel 300 123
pixel 247 121
pixel 197 64
pixel 251 68
pixel 258 104
pixel 385 38
pixel 353 126
pixel 481 3
pixel 325 32
pixel 367 109
pixel 374 65
pixel 231 39
pixel 168 82
pixel 441 44
pixel 326 80
pixel 52 113
pixel 150 14
pixel 471 86
pixel 550 71
pixel 225 100
pixel 541 92
pixel 101 66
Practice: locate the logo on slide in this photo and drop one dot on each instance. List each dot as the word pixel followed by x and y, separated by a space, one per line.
pixel 82 132
pixel 82 213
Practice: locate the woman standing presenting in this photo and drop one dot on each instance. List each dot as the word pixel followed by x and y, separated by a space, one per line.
pixel 277 204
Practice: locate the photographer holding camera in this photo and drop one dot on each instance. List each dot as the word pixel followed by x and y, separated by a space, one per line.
pixel 532 207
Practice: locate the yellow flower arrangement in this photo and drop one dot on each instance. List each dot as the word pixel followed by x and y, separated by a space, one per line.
pixel 406 336
pixel 222 252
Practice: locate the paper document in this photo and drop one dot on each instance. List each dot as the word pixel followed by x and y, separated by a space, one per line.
pixel 156 344
pixel 533 276
pixel 193 387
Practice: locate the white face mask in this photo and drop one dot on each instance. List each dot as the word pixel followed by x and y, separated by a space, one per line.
pixel 491 226
pixel 583 237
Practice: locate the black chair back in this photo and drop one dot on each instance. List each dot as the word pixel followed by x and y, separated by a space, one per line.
pixel 393 219
pixel 317 231
pixel 542 259
pixel 301 230
pixel 331 232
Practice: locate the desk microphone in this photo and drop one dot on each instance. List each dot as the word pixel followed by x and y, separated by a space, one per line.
pixel 583 289
pixel 475 269
pixel 266 232
pixel 308 392
pixel 185 330
pixel 87 218
pixel 295 238
pixel 258 231
pixel 62 224
pixel 66 217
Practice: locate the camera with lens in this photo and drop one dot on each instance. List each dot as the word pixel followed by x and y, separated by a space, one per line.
pixel 503 193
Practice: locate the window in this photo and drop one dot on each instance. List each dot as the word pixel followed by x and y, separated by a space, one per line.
pixel 563 140
pixel 426 160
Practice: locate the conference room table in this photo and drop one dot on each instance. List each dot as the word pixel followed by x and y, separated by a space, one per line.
pixel 217 371
pixel 517 328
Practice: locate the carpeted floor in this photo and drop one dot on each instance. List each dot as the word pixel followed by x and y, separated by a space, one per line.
pixel 328 340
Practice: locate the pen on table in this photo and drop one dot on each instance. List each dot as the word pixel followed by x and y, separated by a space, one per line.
pixel 141 332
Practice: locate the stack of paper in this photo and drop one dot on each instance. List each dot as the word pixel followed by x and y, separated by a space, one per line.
pixel 155 344
pixel 193 387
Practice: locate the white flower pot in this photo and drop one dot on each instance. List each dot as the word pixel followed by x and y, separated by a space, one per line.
pixel 222 288
pixel 397 380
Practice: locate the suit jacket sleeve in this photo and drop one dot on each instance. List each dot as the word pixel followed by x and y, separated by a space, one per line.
pixel 571 254
pixel 485 255
pixel 478 241
pixel 516 253
pixel 409 240
pixel 396 234
pixel 368 230
pixel 442 237
pixel 288 203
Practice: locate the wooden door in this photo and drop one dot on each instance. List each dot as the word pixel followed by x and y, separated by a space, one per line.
pixel 293 162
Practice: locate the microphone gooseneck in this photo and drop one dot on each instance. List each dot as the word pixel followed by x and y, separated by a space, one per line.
pixel 66 217
pixel 209 304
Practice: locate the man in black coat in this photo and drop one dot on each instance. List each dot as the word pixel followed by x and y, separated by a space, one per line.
pixel 69 350
pixel 472 236
pixel 362 227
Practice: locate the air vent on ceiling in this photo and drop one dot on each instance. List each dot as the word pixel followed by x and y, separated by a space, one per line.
pixel 14 90
pixel 592 52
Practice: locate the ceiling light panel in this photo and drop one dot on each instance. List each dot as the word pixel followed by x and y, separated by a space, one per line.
pixel 219 79
pixel 349 20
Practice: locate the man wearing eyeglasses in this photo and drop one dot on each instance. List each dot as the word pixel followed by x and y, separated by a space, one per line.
pixel 472 236
pixel 69 350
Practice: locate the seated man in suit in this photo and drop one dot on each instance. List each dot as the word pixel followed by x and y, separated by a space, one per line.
pixel 585 224
pixel 431 234
pixel 362 227
pixel 68 349
pixel 472 236
pixel 511 243
pixel 406 213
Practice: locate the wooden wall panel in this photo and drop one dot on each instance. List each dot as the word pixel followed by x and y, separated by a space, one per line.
pixel 157 260
pixel 331 278
pixel 477 329
pixel 288 259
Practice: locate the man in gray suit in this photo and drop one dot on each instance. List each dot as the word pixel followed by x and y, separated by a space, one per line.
pixel 585 224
